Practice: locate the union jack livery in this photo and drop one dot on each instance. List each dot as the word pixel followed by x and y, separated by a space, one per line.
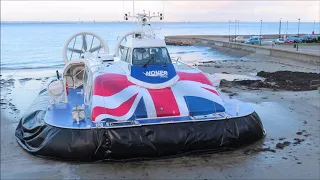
pixel 115 98
pixel 136 103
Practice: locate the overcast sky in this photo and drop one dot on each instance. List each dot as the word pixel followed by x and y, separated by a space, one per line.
pixel 216 11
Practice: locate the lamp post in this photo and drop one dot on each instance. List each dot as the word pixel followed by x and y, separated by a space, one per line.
pixel 314 25
pixel 280 28
pixel 287 30
pixel 298 26
pixel 238 27
pixel 260 31
pixel 235 30
pixel 133 8
pixel 229 30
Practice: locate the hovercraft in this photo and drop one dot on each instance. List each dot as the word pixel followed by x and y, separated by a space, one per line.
pixel 137 103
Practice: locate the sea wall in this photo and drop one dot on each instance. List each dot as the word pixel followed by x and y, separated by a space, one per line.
pixel 208 40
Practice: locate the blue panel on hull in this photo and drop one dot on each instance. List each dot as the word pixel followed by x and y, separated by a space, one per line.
pixel 201 106
pixel 61 114
pixel 153 73
pixel 141 111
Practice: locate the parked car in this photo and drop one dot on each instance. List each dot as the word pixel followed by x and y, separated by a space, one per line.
pixel 309 38
pixel 305 39
pixel 252 41
pixel 295 39
pixel 289 41
pixel 239 39
pixel 279 41
pixel 313 38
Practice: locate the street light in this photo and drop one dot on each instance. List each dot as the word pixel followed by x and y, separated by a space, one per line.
pixel 235 30
pixel 238 27
pixel 229 30
pixel 287 30
pixel 298 26
pixel 260 31
pixel 280 28
pixel 314 25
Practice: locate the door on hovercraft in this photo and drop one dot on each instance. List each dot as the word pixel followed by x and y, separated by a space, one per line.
pixel 87 91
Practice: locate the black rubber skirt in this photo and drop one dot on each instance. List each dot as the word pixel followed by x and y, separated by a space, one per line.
pixel 140 142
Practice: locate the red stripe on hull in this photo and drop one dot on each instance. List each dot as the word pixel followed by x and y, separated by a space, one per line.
pixel 164 102
pixel 110 84
pixel 119 111
pixel 197 77
pixel 215 92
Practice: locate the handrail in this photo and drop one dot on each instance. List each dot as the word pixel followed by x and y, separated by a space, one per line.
pixel 179 60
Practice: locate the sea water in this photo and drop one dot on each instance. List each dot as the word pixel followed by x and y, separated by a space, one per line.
pixel 39 45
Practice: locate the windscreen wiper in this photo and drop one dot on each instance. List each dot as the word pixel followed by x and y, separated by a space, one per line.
pixel 146 64
pixel 165 63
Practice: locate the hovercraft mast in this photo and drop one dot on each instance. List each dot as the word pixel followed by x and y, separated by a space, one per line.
pixel 142 18
pixel 144 29
pixel 143 21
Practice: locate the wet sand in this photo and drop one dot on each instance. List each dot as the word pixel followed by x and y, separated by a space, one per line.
pixel 287 116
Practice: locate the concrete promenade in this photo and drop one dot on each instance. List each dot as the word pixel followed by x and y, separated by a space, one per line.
pixel 308 54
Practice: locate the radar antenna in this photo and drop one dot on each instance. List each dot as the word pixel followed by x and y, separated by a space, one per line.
pixel 143 19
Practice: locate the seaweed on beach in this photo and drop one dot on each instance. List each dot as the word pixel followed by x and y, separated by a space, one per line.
pixel 288 80
pixel 279 80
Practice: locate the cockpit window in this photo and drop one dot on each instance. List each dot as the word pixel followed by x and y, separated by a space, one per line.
pixel 154 55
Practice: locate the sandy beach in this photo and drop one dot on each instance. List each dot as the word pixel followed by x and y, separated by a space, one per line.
pixel 290 149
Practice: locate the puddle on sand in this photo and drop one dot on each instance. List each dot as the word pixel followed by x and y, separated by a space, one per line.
pixel 24 95
pixel 274 114
pixel 17 98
